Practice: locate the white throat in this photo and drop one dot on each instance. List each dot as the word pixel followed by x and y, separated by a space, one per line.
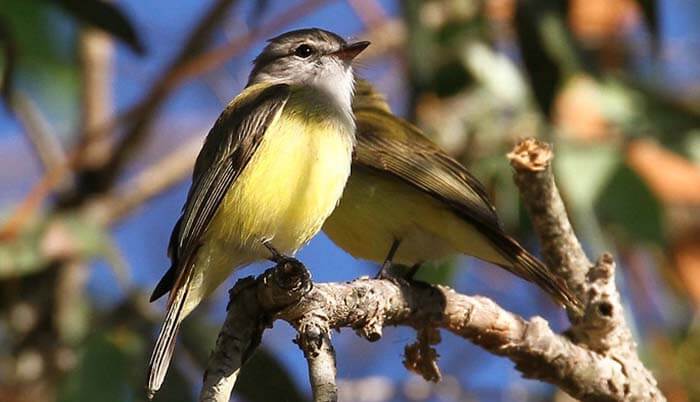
pixel 339 84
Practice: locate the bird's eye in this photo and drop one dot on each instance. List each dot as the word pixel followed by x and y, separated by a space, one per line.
pixel 303 51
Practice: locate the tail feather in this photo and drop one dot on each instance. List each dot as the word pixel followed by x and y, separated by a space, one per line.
pixel 165 344
pixel 528 267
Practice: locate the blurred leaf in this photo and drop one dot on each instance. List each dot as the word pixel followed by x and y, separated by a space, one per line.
pixel 435 49
pixel 9 53
pixel 544 74
pixel 642 111
pixel 450 78
pixel 548 48
pixel 598 161
pixel 46 64
pixel 650 12
pixel 496 72
pixel 106 16
pixel 101 374
pixel 421 52
pixel 626 203
pixel 264 368
pixel 20 256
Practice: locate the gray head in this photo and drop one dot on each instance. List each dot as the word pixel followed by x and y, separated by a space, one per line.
pixel 309 57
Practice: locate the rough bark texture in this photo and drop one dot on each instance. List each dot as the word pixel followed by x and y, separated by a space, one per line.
pixel 596 360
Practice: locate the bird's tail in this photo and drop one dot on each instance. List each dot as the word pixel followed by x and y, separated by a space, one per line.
pixel 165 344
pixel 530 268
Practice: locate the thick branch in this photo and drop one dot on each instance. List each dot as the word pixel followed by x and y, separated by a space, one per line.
pixel 368 305
pixel 603 328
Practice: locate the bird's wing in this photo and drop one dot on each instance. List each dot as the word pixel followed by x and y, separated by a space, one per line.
pixel 394 146
pixel 228 148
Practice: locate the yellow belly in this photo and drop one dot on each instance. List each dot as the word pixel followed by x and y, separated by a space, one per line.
pixel 290 186
pixel 376 209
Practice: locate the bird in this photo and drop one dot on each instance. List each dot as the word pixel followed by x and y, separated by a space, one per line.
pixel 407 202
pixel 271 170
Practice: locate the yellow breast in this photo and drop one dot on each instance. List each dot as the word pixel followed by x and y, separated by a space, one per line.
pixel 292 183
pixel 377 209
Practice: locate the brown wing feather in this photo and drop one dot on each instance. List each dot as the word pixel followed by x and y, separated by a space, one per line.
pixel 391 145
pixel 404 152
pixel 226 152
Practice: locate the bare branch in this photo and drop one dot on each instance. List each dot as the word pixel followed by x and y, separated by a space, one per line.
pixel 367 305
pixel 147 184
pixel 216 57
pixel 96 51
pixel 36 127
pixel 603 328
pixel 245 321
pixel 561 249
pixel 314 340
pixel 100 179
pixel 595 361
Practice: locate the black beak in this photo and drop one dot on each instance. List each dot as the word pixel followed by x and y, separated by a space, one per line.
pixel 350 51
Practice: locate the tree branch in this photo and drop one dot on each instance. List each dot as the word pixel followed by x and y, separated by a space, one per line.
pixel 596 360
pixel 314 340
pixel 561 249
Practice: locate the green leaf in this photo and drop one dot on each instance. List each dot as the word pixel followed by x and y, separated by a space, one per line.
pixel 450 78
pixel 542 69
pixel 584 170
pixel 629 208
pixel 640 110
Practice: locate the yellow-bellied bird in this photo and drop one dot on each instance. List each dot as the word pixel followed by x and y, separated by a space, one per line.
pixel 408 202
pixel 270 172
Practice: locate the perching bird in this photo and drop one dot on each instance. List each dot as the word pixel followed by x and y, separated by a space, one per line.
pixel 408 202
pixel 270 172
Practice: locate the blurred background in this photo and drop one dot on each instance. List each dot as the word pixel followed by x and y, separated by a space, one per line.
pixel 105 106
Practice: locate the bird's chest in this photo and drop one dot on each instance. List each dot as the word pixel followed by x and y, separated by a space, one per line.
pixel 292 183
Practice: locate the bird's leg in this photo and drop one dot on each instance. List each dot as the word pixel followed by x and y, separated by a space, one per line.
pixel 384 270
pixel 413 270
pixel 276 256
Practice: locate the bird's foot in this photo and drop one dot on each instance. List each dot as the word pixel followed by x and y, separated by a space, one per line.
pixel 277 257
pixel 384 271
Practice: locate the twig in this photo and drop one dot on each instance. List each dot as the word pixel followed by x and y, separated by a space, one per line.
pixel 212 59
pixel 98 180
pixel 315 341
pixel 96 51
pixel 147 184
pixel 560 247
pixel 245 321
pixel 36 127
pixel 603 328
